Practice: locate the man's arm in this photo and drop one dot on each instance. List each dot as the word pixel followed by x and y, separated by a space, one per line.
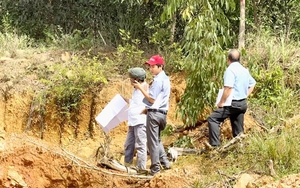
pixel 226 92
pixel 145 93
pixel 252 83
pixel 250 89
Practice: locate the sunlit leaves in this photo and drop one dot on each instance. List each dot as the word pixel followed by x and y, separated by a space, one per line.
pixel 205 36
pixel 188 12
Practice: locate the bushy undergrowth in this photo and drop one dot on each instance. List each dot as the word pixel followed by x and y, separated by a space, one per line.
pixel 282 147
pixel 274 63
pixel 77 40
pixel 11 42
pixel 68 81
pixel 252 155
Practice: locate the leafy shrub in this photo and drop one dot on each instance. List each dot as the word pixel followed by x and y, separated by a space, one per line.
pixel 128 55
pixel 11 43
pixel 173 54
pixel 70 80
pixel 270 85
pixel 184 142
pixel 167 131
pixel 77 40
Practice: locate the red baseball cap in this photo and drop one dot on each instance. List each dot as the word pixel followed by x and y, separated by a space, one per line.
pixel 155 60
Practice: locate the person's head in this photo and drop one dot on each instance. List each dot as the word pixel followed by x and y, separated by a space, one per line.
pixel 156 64
pixel 233 56
pixel 137 74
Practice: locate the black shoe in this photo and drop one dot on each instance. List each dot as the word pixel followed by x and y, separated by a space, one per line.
pixel 209 147
pixel 167 167
pixel 153 173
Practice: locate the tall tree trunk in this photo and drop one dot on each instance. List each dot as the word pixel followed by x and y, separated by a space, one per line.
pixel 173 28
pixel 242 25
pixel 287 20
pixel 255 14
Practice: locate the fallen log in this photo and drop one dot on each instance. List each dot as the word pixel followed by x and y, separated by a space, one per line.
pixel 174 152
pixel 114 164
pixel 232 142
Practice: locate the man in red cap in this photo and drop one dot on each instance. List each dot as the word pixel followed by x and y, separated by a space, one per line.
pixel 157 105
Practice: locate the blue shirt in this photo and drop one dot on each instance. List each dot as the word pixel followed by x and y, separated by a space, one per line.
pixel 239 78
pixel 159 91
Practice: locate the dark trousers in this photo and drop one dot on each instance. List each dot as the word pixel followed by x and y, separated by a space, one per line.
pixel 236 114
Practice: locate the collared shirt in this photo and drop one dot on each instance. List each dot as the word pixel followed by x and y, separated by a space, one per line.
pixel 239 78
pixel 136 106
pixel 159 91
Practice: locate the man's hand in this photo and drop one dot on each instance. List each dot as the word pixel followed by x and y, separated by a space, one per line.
pixel 220 105
pixel 226 92
pixel 137 85
pixel 144 111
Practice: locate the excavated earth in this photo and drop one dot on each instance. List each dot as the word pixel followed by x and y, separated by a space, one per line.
pixel 55 157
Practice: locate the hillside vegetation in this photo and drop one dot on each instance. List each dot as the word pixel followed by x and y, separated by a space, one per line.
pixel 62 61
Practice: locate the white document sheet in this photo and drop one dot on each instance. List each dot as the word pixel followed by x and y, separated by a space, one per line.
pixel 114 113
pixel 228 100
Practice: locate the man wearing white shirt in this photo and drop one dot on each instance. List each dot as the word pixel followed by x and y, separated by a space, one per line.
pixel 136 135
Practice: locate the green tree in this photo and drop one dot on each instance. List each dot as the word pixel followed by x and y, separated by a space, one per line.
pixel 101 19
pixel 206 34
pixel 281 16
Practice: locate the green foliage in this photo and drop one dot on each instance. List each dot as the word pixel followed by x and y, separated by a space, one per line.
pixel 281 16
pixel 6 26
pixel 100 20
pixel 103 19
pixel 270 85
pixel 11 42
pixel 205 35
pixel 281 147
pixel 167 131
pixel 127 56
pixel 173 55
pixel 184 142
pixel 274 64
pixel 77 40
pixel 68 81
pixel 282 109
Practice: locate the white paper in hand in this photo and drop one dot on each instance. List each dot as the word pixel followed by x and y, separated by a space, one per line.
pixel 228 100
pixel 115 112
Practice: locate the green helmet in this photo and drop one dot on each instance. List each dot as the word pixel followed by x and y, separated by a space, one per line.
pixel 137 73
